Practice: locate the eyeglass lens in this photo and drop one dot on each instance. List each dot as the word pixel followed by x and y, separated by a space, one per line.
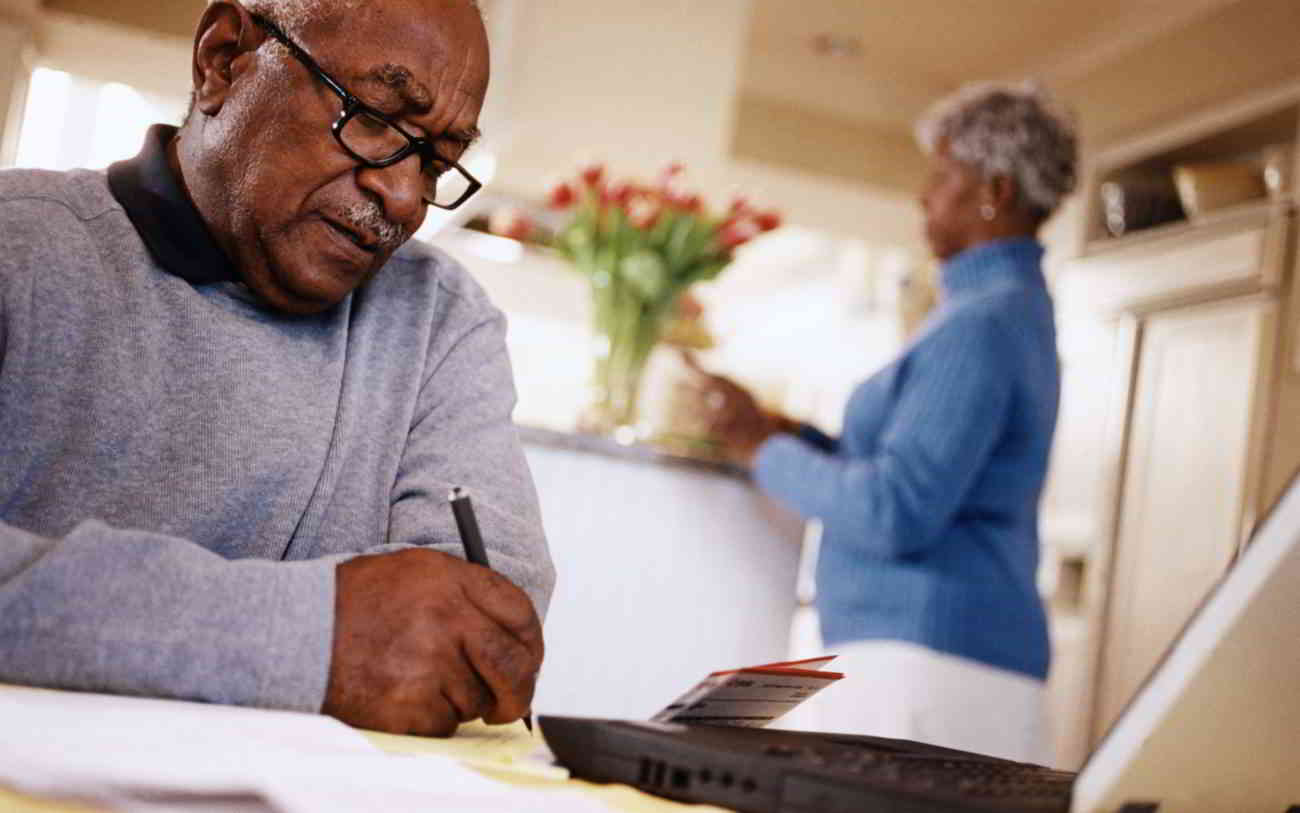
pixel 376 140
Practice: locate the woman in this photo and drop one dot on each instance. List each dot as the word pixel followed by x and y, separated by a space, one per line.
pixel 929 499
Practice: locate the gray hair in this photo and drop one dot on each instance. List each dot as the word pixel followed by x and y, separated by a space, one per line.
pixel 293 16
pixel 1014 130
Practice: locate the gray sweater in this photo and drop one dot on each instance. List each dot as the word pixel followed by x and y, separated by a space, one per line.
pixel 182 469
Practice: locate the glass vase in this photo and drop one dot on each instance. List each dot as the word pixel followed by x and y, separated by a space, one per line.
pixel 626 329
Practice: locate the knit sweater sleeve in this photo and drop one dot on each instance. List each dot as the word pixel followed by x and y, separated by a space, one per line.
pixel 463 434
pixel 4 325
pixel 131 612
pixel 123 610
pixel 947 414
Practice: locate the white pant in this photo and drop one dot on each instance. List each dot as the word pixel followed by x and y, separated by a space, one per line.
pixel 902 690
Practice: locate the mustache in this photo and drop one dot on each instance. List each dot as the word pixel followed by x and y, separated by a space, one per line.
pixel 368 218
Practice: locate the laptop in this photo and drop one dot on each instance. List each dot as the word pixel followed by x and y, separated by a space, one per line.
pixel 1215 729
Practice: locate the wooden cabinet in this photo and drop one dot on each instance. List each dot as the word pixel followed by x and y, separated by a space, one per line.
pixel 1188 409
pixel 1185 479
pixel 1182 439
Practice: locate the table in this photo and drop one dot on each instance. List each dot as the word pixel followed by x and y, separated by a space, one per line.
pixel 491 750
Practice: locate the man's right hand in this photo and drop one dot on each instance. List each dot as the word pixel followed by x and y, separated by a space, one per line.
pixel 424 641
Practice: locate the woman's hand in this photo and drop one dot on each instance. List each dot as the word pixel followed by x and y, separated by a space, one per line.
pixel 734 416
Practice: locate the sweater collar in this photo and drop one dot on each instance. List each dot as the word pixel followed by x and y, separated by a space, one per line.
pixel 162 213
pixel 997 262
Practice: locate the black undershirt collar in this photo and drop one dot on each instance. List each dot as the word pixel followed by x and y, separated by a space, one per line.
pixel 161 212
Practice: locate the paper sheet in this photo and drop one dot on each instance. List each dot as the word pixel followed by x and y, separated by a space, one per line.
pixel 497 748
pixel 134 754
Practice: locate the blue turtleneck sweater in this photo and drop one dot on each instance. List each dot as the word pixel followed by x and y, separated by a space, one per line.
pixel 929 499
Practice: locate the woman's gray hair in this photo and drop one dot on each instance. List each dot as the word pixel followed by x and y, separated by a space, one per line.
pixel 1015 130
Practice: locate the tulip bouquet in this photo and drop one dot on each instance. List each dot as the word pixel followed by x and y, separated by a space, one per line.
pixel 641 246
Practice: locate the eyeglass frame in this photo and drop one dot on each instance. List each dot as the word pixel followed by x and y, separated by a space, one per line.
pixel 423 147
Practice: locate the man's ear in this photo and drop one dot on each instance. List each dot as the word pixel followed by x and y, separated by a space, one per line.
pixel 223 47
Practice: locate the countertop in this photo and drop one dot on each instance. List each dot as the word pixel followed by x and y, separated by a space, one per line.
pixel 639 452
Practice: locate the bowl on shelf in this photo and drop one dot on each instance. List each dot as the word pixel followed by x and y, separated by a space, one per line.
pixel 1139 202
pixel 1205 187
pixel 1278 163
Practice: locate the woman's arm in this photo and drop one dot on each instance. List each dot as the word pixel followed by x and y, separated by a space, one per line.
pixel 949 413
pixel 813 436
pixel 741 424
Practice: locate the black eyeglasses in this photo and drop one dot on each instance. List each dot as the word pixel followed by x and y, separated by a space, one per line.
pixel 375 140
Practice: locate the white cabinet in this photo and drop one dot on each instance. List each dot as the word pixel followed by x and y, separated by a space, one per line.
pixel 1180 349
pixel 1190 431
pixel 1185 478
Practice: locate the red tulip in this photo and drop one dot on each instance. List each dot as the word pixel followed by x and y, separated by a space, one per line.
pixel 562 197
pixel 618 194
pixel 644 212
pixel 736 234
pixel 739 206
pixel 689 203
pixel 767 221
pixel 592 175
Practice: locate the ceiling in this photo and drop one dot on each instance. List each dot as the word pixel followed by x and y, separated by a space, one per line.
pixel 175 18
pixel 912 51
pixel 1124 66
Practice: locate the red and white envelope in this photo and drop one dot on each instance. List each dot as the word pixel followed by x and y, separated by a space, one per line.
pixel 750 697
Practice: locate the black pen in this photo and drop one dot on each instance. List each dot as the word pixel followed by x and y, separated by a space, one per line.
pixel 467 526
pixel 472 541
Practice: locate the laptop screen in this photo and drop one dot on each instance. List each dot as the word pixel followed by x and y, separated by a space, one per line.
pixel 1214 728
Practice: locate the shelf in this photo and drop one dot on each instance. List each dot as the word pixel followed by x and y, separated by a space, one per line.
pixel 1222 219
pixel 1258 130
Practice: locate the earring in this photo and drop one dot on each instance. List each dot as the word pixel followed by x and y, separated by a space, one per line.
pixel 988 211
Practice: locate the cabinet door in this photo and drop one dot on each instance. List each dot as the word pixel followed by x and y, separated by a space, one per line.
pixel 1186 473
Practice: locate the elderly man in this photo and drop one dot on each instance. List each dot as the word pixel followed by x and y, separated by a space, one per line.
pixel 221 381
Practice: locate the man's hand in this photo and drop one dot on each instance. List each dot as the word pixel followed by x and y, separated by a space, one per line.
pixel 424 641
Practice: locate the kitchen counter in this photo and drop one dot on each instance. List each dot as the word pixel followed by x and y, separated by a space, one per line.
pixel 640 452
pixel 668 568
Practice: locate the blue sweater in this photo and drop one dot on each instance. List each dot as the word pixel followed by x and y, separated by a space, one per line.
pixel 929 500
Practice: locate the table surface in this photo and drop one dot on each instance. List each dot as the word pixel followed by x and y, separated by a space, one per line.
pixel 491 750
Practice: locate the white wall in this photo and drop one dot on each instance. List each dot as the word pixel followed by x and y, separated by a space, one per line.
pixel 16 34
pixel 150 62
pixel 640 83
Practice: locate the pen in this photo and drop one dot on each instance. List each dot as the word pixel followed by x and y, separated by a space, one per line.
pixel 472 541
pixel 467 526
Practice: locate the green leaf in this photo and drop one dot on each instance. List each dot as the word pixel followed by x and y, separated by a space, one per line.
pixel 663 228
pixel 645 274
pixel 709 270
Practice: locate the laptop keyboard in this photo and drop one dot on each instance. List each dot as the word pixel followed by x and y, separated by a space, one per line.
pixel 775 771
pixel 932 772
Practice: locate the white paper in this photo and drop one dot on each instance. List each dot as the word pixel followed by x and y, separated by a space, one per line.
pixel 133 754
